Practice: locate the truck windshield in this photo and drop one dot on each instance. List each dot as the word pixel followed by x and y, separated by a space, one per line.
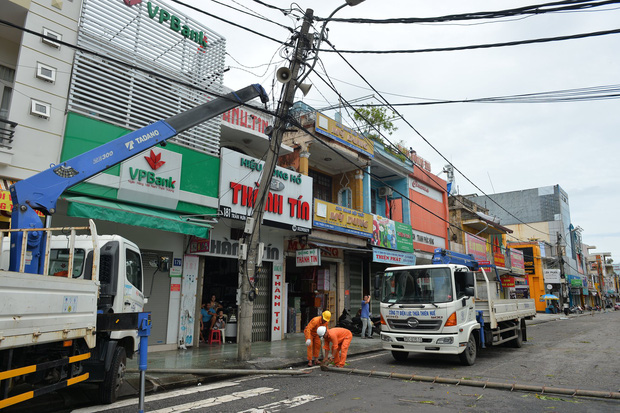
pixel 59 262
pixel 419 286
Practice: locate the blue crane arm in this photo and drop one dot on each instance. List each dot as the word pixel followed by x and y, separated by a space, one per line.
pixel 443 256
pixel 40 192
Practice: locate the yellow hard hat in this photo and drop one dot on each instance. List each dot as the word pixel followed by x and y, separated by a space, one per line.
pixel 327 315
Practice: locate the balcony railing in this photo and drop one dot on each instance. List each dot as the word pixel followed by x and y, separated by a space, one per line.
pixel 7 132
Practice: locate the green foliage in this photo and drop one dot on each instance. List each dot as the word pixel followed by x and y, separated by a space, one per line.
pixel 375 118
pixel 377 121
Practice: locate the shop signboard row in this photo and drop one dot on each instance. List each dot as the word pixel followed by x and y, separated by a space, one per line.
pixel 337 218
pixel 289 200
pixel 392 257
pixel 328 127
pixel 391 234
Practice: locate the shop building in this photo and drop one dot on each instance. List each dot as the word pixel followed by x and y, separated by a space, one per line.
pixel 361 219
pixel 58 102
pixel 429 210
pixel 544 214
pixel 474 231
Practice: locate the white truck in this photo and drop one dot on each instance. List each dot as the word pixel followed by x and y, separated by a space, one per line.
pixel 49 335
pixel 449 307
pixel 70 305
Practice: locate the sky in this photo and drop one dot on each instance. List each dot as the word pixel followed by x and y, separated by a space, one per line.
pixel 500 147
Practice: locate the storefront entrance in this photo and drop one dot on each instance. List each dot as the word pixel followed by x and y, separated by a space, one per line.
pixel 221 278
pixel 311 290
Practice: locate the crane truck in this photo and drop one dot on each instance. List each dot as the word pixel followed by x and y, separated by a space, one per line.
pixel 70 304
pixel 449 307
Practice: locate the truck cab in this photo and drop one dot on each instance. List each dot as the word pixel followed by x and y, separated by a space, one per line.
pixel 452 307
pixel 427 308
pixel 117 288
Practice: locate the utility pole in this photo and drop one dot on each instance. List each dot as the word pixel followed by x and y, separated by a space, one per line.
pixel 250 240
pixel 563 286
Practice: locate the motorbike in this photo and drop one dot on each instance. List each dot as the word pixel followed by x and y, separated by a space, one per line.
pixel 354 324
pixel 576 309
pixel 346 321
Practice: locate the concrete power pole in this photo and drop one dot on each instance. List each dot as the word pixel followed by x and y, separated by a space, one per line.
pixel 250 240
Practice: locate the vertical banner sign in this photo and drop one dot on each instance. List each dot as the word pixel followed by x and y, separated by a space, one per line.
pixel 188 300
pixel 476 246
pixel 517 263
pixel 528 260
pixel 278 301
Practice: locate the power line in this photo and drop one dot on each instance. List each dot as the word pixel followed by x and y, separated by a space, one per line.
pixel 478 46
pixel 251 13
pixel 426 140
pixel 228 21
pixel 558 96
pixel 555 7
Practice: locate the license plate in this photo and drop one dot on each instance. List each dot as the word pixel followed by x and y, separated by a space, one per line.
pixel 413 339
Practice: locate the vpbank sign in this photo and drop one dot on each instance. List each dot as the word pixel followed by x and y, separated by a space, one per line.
pixel 171 20
pixel 152 178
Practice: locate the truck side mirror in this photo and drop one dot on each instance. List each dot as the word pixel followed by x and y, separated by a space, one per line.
pixel 470 280
pixel 470 292
pixel 377 289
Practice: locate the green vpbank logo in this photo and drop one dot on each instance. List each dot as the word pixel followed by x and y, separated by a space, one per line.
pixel 174 22
pixel 149 177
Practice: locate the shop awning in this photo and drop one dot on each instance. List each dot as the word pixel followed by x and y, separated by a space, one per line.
pixel 343 247
pixel 131 214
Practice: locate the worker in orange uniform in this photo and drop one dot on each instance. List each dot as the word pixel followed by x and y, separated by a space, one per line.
pixel 340 339
pixel 312 339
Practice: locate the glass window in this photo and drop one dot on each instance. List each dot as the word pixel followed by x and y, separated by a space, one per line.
pixel 321 185
pixel 59 262
pixel 420 286
pixel 345 198
pixel 133 267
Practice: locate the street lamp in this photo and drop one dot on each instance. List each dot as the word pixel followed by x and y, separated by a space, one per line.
pixel 321 36
pixel 249 261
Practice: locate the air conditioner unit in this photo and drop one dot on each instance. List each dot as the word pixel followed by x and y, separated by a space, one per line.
pixel 40 109
pixel 385 191
pixel 46 73
pixel 53 35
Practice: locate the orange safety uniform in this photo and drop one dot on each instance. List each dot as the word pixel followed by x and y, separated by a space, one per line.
pixel 310 333
pixel 340 339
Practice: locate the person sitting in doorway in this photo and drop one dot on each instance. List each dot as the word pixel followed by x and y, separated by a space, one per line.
pixel 219 323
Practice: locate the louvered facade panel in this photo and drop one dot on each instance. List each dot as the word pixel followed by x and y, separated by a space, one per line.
pixel 147 70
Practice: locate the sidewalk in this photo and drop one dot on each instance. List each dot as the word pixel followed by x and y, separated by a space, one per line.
pixel 274 355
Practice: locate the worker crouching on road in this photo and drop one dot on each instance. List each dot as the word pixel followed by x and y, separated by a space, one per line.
pixel 340 339
pixel 313 341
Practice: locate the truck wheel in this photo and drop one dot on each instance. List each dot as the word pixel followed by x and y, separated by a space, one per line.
pixel 400 355
pixel 109 388
pixel 517 342
pixel 468 357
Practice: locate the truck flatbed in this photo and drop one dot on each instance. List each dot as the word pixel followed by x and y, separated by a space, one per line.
pixel 37 309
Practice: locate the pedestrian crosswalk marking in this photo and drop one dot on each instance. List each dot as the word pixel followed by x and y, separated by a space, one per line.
pixel 156 397
pixel 214 401
pixel 284 404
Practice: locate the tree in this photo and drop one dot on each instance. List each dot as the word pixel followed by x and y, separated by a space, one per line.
pixel 376 120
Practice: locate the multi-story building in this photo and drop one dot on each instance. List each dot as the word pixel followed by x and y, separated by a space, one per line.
pixel 604 278
pixel 363 214
pixel 543 214
pixel 430 217
pixel 95 70
pixel 475 231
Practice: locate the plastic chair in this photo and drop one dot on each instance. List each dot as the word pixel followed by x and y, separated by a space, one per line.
pixel 215 337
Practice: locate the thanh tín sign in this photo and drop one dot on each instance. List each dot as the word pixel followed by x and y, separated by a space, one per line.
pixel 308 258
